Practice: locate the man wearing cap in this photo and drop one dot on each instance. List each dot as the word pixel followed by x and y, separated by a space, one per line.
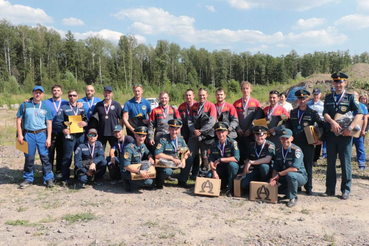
pixel 226 112
pixel 70 141
pixel 223 158
pixel 114 159
pixel 136 111
pixel 301 117
pixel 55 103
pixel 89 160
pixel 134 153
pixel 169 148
pixel 248 109
pixel 288 169
pixel 89 101
pixel 37 123
pixel 275 115
pixel 259 157
pixel 107 112
pixel 340 102
pixel 317 105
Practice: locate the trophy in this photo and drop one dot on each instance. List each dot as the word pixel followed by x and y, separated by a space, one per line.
pixel 68 123
pixel 182 152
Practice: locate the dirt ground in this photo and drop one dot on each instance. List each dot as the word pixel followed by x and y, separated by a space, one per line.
pixel 107 215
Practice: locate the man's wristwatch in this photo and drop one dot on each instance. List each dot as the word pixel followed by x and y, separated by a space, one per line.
pixel 350 128
pixel 139 172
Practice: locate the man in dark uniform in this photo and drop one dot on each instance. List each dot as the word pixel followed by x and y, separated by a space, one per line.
pixel 301 117
pixel 134 153
pixel 89 159
pixel 114 159
pixel 288 168
pixel 224 156
pixel 184 111
pixel 340 102
pixel 89 101
pixel 260 156
pixel 37 122
pixel 108 112
pixel 226 113
pixel 168 148
pixel 70 144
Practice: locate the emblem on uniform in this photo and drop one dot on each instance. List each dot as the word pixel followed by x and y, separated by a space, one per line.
pixel 343 108
pixel 306 123
pixel 143 107
pixel 112 107
pixel 159 146
pixel 126 155
pixel 298 153
pixel 235 146
pixel 270 149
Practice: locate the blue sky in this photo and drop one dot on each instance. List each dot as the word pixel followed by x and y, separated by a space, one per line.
pixel 273 27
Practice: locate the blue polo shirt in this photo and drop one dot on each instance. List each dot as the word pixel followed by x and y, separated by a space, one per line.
pixel 92 102
pixel 36 115
pixel 50 103
pixel 136 109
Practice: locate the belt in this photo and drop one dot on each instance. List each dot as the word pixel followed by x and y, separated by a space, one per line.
pixel 35 132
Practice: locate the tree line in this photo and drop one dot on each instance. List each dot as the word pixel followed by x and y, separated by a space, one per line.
pixel 38 55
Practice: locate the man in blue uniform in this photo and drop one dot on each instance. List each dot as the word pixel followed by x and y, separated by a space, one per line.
pixel 299 118
pixel 288 169
pixel 224 156
pixel 168 148
pixel 70 144
pixel 37 120
pixel 89 159
pixel 259 156
pixel 89 101
pixel 114 159
pixel 54 104
pixel 134 153
pixel 340 102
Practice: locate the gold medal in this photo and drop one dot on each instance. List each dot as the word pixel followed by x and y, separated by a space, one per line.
pixel 106 117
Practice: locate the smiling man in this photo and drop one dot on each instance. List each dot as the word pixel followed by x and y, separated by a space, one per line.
pixel 89 101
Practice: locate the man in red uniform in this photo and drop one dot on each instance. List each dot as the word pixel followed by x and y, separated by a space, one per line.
pixel 184 111
pixel 226 113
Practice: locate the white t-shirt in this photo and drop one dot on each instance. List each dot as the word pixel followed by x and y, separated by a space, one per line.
pixel 287 106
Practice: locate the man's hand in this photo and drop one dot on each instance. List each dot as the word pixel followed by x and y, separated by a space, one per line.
pixel 151 160
pixel 346 132
pixel 335 127
pixel 196 133
pixel 216 163
pixel 48 143
pixel 144 174
pixel 362 134
pixel 274 181
pixel 79 105
pixel 152 142
pixel 240 132
pixel 177 161
pixel 247 168
pixel 318 143
pixel 66 131
pixel 247 133
pixel 188 153
pixel 82 124
pixel 20 139
pixel 112 160
pixel 215 175
pixel 91 169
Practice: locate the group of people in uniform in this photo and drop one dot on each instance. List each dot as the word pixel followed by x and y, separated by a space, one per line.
pixel 216 140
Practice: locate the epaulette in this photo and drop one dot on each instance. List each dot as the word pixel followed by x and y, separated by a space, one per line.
pixel 164 139
pixel 294 147
pixel 278 149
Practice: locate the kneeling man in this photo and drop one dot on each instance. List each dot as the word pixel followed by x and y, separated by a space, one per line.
pixel 288 169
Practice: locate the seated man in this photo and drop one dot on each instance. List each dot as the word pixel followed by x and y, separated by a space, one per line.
pixel 224 157
pixel 288 169
pixel 89 159
pixel 134 153
pixel 116 152
pixel 168 149
pixel 260 156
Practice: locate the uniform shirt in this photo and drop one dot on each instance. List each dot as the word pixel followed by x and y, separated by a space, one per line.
pixel 347 104
pixel 257 152
pixel 170 147
pixel 36 115
pixel 294 158
pixel 136 109
pixel 106 126
pixel 184 112
pixel 196 111
pixel 54 108
pixel 86 152
pixel 89 104
pixel 229 149
pixel 274 115
pixel 133 154
pixel 364 108
pixel 158 120
pixel 66 111
pixel 247 113
pixel 307 118
pixel 318 107
pixel 119 145
pixel 227 113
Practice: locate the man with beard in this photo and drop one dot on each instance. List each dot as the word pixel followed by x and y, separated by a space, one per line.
pixel 226 113
pixel 89 101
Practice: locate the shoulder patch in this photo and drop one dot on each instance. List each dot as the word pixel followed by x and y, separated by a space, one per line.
pixel 235 145
pixel 297 153
pixel 158 146
pixel 126 155
pixel 294 147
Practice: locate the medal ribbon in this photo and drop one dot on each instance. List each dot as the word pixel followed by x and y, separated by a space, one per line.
pixel 300 117
pixel 270 112
pixel 120 146
pixel 57 108
pixel 92 102
pixel 221 148
pixel 221 108
pixel 201 108
pixel 244 105
pixel 285 155
pixel 262 147
pixel 337 104
pixel 188 108
pixel 92 153
pixel 175 145
pixel 107 110
pixel 39 107
pixel 74 112
pixel 165 111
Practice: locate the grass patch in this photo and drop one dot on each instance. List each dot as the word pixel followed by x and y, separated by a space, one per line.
pixel 48 219
pixel 7 136
pixel 21 209
pixel 19 223
pixel 150 223
pixel 166 235
pixel 54 204
pixel 73 218
pixel 329 238
pixel 305 211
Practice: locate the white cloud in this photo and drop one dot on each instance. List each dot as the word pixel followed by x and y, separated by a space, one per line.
pixel 323 37
pixel 362 5
pixel 260 48
pixel 299 5
pixel 110 35
pixel 302 24
pixel 72 22
pixel 210 8
pixel 21 14
pixel 355 21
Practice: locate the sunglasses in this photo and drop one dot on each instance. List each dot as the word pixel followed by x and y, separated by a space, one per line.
pixel 92 135
pixel 137 85
pixel 72 95
pixel 274 92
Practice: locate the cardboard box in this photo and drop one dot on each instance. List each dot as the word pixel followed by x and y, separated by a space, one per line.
pixel 355 134
pixel 311 134
pixel 262 191
pixel 237 190
pixel 152 172
pixel 207 186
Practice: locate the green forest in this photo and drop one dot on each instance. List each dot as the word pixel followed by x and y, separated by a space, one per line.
pixel 38 55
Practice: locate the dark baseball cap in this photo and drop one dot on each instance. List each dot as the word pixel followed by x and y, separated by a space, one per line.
pixel 317 91
pixel 108 88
